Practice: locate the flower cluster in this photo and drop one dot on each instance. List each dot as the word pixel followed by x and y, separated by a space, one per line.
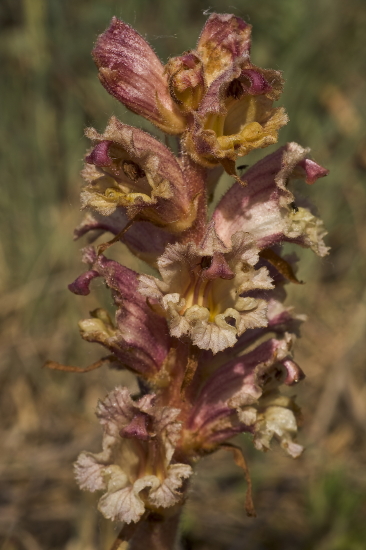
pixel 208 336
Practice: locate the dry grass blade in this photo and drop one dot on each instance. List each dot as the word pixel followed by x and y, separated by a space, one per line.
pixel 53 365
pixel 241 462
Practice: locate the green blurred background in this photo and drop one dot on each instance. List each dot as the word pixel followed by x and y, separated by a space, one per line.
pixel 49 93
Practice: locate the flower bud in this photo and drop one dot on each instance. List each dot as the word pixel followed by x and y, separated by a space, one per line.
pixel 131 72
pixel 186 81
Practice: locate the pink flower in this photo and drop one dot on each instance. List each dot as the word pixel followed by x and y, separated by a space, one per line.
pixel 139 337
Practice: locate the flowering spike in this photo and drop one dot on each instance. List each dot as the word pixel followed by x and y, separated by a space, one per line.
pixel 209 337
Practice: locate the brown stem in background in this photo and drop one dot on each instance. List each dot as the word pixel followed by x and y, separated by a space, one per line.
pixel 103 247
pixel 157 532
pixel 126 533
pixel 241 462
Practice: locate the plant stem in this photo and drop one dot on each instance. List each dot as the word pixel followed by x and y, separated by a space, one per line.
pixel 157 532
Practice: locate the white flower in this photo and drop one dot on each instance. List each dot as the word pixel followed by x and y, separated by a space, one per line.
pixel 135 468
pixel 203 286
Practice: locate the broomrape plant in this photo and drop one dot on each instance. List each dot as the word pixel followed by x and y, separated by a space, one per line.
pixel 208 336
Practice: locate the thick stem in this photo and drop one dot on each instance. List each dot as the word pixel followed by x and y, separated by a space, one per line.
pixel 157 532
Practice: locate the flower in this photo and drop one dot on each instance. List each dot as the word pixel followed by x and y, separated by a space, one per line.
pixel 135 469
pixel 239 395
pixel 129 169
pixel 202 289
pixel 139 338
pixel 223 39
pixel 236 116
pixel 265 206
pixel 130 71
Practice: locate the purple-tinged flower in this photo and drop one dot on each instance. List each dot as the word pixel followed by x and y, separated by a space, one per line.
pixel 203 286
pixel 135 469
pixel 239 395
pixel 130 71
pixel 265 205
pixel 236 115
pixel 211 336
pixel 130 169
pixel 139 338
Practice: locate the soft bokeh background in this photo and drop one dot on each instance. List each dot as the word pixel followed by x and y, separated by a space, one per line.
pixel 49 93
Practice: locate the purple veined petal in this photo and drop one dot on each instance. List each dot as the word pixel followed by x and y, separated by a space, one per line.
pixel 130 71
pixel 223 39
pixel 239 378
pixel 263 206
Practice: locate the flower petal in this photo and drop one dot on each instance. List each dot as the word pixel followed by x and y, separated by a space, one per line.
pixel 167 494
pixel 89 471
pixel 223 39
pixel 277 420
pixel 122 501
